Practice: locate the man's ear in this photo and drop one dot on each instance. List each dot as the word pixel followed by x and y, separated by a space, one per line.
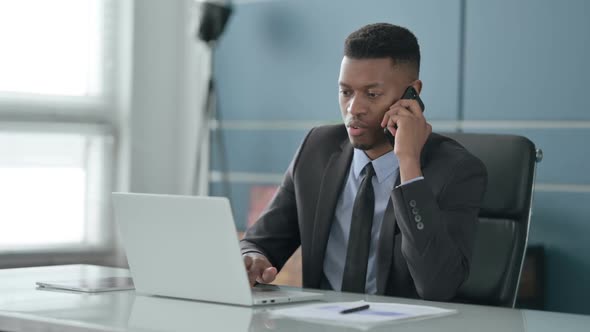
pixel 417 84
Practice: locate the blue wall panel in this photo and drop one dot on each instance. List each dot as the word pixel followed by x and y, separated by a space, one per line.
pixel 527 59
pixel 280 60
pixel 561 223
pixel 267 151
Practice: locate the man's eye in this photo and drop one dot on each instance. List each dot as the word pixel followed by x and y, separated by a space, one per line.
pixel 372 94
pixel 345 93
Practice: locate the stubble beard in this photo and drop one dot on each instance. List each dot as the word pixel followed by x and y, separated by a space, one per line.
pixel 362 146
pixel 376 141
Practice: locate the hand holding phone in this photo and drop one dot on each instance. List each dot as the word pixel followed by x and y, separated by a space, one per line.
pixel 410 93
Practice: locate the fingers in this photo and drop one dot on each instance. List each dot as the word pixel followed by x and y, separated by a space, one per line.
pixel 406 122
pixel 248 262
pixel 392 130
pixel 251 279
pixel 394 111
pixel 252 267
pixel 392 117
pixel 393 123
pixel 253 275
pixel 403 108
pixel 411 105
pixel 385 120
pixel 259 269
pixel 268 275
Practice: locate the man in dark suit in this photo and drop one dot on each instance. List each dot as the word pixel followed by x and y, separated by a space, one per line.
pixel 371 217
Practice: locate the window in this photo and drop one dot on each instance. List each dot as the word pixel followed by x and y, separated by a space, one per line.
pixel 56 123
pixel 51 47
pixel 51 188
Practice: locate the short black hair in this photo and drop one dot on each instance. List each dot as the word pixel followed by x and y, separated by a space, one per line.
pixel 384 40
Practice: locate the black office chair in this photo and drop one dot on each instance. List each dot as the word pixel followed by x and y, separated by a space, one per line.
pixel 504 219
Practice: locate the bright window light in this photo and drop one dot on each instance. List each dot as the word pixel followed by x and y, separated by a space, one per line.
pixel 42 206
pixel 43 190
pixel 51 47
pixel 56 59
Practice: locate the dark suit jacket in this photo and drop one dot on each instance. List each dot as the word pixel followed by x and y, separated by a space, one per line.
pixel 430 263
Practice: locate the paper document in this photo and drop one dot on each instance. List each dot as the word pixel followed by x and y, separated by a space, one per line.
pixel 377 313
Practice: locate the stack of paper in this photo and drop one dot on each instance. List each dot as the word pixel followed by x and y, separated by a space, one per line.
pixel 376 314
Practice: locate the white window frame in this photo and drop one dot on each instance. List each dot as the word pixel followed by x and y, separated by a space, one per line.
pixel 93 116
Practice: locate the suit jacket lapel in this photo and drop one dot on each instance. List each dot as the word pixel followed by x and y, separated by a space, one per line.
pixel 334 177
pixel 386 243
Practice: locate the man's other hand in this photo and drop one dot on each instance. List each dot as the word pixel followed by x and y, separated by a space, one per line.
pixel 259 269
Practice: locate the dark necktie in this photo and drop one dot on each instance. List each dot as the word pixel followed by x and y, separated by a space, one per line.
pixel 359 240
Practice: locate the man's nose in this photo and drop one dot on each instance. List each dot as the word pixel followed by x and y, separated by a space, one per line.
pixel 355 106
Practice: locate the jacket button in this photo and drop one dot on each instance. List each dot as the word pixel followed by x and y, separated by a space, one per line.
pixel 418 218
pixel 413 203
pixel 415 210
pixel 420 226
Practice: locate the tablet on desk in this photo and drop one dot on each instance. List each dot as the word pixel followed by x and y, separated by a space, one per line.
pixel 90 285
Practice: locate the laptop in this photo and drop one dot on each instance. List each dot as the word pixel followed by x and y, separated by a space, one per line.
pixel 89 284
pixel 187 247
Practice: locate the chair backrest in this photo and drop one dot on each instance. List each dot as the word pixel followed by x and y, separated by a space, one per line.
pixel 504 218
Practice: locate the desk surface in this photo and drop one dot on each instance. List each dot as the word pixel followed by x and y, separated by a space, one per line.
pixel 25 308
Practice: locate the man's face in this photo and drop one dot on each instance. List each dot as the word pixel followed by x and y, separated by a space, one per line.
pixel 368 87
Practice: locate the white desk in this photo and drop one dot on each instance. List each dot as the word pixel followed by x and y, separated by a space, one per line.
pixel 24 308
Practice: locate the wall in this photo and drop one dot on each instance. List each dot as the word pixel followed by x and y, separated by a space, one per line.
pixel 167 90
pixel 165 72
pixel 488 66
pixel 527 69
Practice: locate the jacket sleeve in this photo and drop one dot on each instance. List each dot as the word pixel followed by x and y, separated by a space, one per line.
pixel 438 234
pixel 276 233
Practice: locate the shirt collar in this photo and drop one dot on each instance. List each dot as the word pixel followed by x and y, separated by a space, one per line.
pixel 384 166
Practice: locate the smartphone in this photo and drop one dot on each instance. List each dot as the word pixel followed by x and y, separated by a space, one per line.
pixel 410 93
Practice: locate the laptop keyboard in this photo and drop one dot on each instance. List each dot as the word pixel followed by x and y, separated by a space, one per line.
pixel 265 288
pixel 270 291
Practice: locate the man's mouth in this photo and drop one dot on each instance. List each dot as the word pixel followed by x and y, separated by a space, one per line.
pixel 355 124
pixel 356 128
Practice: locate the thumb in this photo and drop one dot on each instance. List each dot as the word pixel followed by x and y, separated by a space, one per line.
pixel 269 274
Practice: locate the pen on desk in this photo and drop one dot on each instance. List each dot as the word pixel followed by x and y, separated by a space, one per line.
pixel 356 309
